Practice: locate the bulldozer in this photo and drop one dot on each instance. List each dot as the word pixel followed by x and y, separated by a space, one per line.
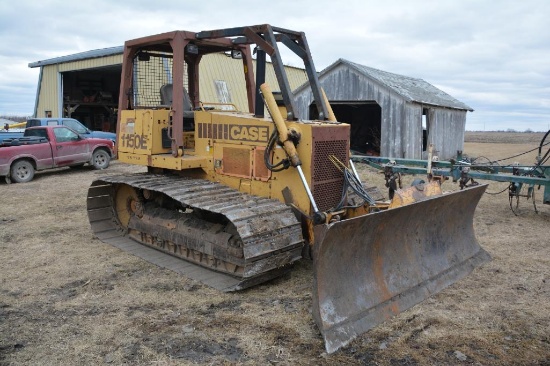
pixel 233 198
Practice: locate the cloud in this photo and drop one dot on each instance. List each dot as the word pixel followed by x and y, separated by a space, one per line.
pixel 491 56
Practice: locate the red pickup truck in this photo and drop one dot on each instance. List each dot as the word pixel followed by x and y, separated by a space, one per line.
pixel 48 147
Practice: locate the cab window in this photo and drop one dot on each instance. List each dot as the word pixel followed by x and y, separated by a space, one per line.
pixel 39 132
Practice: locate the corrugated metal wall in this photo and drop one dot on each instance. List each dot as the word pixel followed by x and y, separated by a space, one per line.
pixel 220 67
pixel 50 93
pixel 48 99
pixel 213 68
pixel 91 63
pixel 401 135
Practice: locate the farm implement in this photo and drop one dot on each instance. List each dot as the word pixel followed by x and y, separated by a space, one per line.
pixel 524 180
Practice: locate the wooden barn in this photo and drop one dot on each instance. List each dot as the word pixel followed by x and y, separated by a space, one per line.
pixel 390 115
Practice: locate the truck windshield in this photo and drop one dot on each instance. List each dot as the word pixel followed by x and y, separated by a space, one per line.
pixel 75 125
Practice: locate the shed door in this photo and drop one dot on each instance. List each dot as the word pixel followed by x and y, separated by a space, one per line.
pixel 365 118
pixel 91 96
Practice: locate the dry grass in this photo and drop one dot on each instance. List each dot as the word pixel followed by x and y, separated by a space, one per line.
pixel 66 298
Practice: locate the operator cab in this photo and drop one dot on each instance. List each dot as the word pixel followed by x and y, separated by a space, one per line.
pixel 188 114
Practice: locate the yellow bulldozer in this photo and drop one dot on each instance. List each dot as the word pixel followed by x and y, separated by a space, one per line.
pixel 233 198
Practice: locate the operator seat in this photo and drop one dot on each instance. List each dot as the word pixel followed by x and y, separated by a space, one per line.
pixel 188 114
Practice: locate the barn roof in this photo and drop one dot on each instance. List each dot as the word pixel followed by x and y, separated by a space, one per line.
pixel 103 52
pixel 412 89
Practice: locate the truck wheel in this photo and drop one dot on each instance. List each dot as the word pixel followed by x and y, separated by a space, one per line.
pixel 100 159
pixel 22 171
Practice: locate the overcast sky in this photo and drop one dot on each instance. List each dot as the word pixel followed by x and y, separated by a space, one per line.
pixel 491 55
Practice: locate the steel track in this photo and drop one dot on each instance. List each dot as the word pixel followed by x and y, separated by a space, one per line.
pixel 270 233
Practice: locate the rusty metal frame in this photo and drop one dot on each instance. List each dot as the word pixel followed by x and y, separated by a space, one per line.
pixel 264 36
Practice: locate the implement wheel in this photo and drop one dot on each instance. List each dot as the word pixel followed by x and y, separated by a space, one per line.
pixel 518 190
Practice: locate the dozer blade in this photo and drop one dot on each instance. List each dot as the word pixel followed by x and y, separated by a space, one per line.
pixel 370 268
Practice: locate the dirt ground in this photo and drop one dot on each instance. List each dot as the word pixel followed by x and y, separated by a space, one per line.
pixel 68 299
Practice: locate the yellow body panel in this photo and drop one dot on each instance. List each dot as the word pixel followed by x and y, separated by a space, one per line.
pixel 228 146
pixel 140 131
pixel 131 158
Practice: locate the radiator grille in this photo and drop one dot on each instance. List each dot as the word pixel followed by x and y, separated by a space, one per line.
pixel 327 180
pixel 327 195
pixel 323 168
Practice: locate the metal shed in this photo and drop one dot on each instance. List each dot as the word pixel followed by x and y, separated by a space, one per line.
pixel 390 114
pixel 86 85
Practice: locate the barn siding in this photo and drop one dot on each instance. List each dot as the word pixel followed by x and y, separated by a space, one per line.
pixel 401 135
pixel 447 131
pixel 412 131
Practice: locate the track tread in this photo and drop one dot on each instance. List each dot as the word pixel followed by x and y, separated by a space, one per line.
pixel 281 232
